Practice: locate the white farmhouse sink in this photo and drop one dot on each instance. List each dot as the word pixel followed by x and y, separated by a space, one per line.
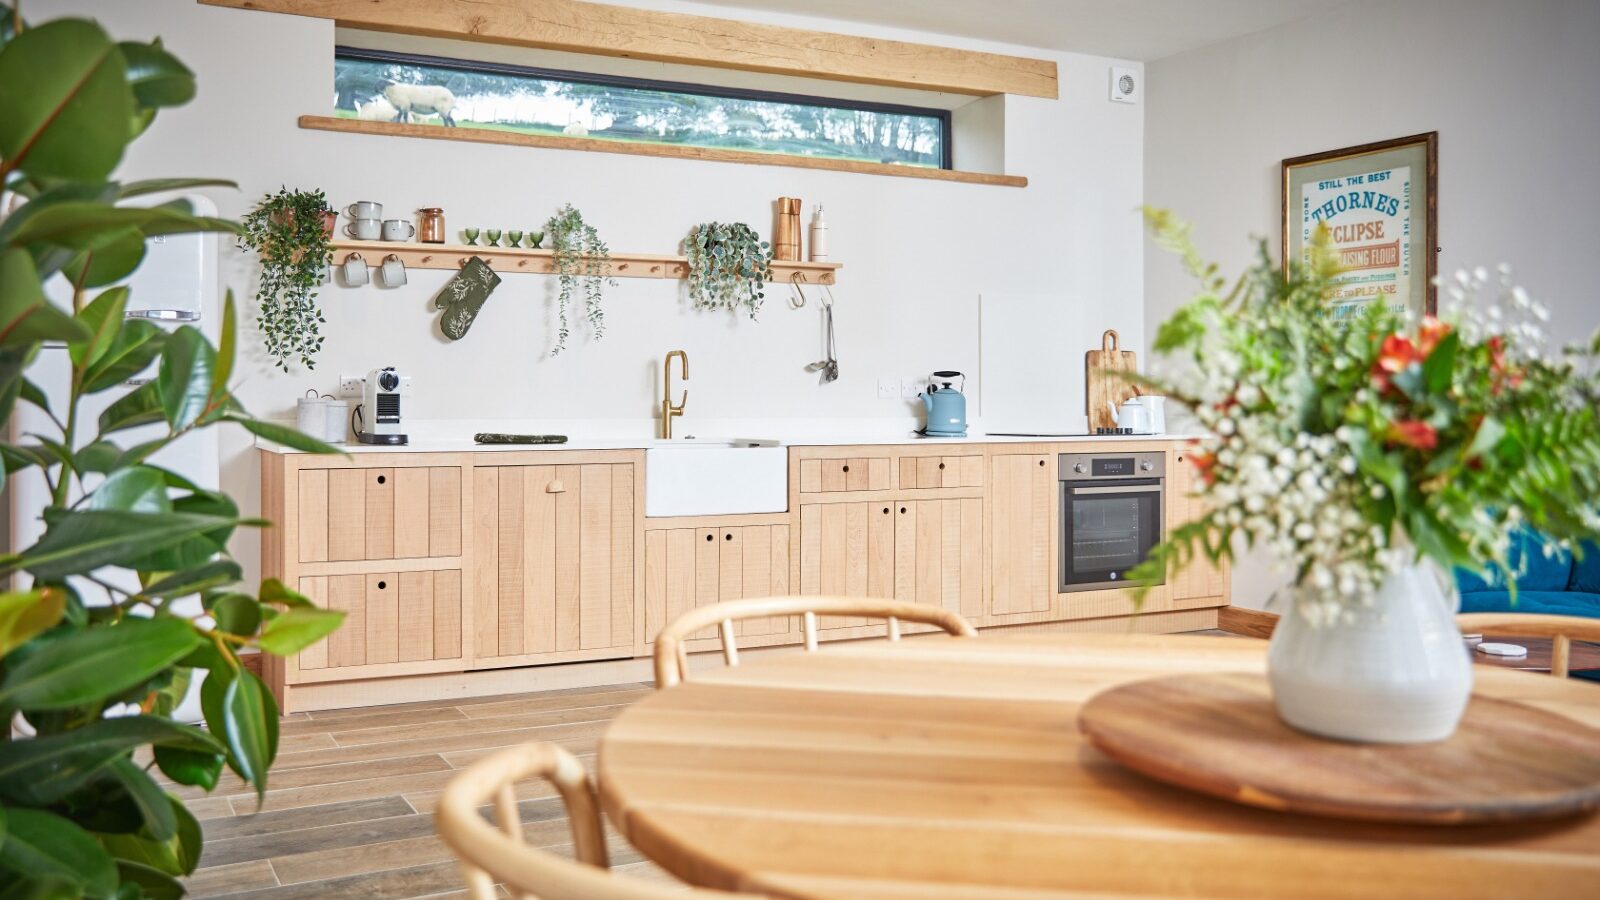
pixel 715 476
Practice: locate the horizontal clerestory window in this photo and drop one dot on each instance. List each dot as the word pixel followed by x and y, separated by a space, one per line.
pixel 401 87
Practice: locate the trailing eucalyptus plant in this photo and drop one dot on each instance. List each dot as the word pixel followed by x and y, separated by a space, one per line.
pixel 291 235
pixel 729 266
pixel 580 255
pixel 130 595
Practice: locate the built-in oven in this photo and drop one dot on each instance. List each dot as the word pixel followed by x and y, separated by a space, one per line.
pixel 1111 505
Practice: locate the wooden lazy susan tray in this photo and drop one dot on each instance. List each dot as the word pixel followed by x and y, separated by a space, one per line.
pixel 1219 735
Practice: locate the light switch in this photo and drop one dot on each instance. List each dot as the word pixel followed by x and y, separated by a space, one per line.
pixel 911 387
pixel 888 388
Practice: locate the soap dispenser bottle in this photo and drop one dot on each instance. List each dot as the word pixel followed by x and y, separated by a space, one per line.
pixel 819 236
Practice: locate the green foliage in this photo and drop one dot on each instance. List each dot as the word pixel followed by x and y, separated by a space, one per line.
pixel 1351 446
pixel 582 256
pixel 78 643
pixel 729 266
pixel 295 249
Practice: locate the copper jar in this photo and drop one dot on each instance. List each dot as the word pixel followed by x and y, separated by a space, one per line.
pixel 430 225
pixel 786 236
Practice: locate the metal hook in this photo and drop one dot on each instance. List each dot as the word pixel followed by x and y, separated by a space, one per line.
pixel 795 290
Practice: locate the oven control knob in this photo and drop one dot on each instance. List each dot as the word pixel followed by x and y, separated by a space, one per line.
pixel 1080 468
pixel 1146 466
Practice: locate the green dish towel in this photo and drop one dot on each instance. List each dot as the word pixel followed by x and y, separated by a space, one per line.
pixel 463 297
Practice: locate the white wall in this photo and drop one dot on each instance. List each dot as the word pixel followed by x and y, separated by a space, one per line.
pixel 916 254
pixel 1513 88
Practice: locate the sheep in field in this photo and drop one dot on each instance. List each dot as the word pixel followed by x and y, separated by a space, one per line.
pixel 377 110
pixel 422 99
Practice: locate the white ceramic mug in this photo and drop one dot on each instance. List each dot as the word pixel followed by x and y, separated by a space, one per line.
pixel 365 209
pixel 364 229
pixel 398 230
pixel 355 270
pixel 394 271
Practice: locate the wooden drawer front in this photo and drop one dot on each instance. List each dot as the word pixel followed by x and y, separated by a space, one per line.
pixel 554 563
pixel 689 567
pixel 918 472
pixel 389 618
pixel 861 473
pixel 399 513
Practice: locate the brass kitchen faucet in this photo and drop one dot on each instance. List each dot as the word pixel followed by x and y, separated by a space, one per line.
pixel 667 409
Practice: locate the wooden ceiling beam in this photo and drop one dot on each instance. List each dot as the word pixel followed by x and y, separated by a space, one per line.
pixel 578 27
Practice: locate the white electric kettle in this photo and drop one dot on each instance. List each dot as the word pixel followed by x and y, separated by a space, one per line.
pixel 1133 417
pixel 1155 406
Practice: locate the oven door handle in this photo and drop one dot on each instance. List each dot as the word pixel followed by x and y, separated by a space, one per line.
pixel 1130 489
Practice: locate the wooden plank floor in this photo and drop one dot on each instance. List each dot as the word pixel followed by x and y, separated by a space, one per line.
pixel 349 807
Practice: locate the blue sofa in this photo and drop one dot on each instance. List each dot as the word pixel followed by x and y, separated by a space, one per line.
pixel 1556 585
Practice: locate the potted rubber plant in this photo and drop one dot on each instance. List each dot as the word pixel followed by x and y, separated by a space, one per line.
pixel 130 595
pixel 291 233
pixel 1371 454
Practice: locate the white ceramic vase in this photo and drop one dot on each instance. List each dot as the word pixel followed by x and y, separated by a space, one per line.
pixel 1397 674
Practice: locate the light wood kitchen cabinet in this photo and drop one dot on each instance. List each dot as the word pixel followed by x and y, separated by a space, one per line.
pixel 690 567
pixel 941 471
pixel 1201 583
pixel 1023 503
pixel 379 513
pixel 390 617
pixel 554 569
pixel 938 553
pixel 846 550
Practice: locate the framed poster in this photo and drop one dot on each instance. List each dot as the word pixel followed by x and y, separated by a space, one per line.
pixel 1381 203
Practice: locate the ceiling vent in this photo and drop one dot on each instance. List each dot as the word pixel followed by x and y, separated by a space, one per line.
pixel 1127 84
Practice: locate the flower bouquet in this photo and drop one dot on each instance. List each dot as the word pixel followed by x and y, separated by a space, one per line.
pixel 1370 454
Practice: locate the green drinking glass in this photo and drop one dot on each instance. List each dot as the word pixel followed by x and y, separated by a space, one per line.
pixel 513 237
pixel 535 238
pixel 471 235
pixel 492 236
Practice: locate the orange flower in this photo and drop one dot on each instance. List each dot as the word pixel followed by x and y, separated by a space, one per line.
pixel 1411 433
pixel 1430 334
pixel 1206 465
pixel 1503 375
pixel 1394 356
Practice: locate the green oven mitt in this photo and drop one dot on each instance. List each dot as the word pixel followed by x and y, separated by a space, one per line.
pixel 464 296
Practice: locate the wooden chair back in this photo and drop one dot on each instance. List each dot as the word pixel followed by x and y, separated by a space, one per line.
pixel 1559 629
pixel 672 660
pixel 489 854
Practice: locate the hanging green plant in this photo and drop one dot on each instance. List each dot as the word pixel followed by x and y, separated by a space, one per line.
pixel 729 266
pixel 291 233
pixel 580 256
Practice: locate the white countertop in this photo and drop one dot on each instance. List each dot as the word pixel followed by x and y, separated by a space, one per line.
pixel 455 436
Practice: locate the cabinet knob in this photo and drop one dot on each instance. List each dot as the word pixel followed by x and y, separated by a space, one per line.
pixel 382 479
pixel 941 465
pixel 382 585
pixel 902 510
pixel 711 537
pixel 886 510
pixel 1041 462
pixel 846 468
pixel 728 536
pixel 555 487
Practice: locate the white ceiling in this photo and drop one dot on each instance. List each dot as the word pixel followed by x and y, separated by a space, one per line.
pixel 1131 29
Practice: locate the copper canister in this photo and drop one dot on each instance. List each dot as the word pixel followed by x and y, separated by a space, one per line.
pixel 430 225
pixel 786 236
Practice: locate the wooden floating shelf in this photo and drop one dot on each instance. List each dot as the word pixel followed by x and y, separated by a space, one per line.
pixel 506 260
pixel 471 135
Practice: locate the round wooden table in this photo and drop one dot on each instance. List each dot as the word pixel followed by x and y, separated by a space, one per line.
pixel 1582 657
pixel 953 767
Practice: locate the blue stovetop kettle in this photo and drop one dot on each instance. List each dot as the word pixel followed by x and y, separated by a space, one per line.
pixel 945 406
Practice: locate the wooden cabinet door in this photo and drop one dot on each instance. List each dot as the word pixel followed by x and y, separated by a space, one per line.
pixel 1022 503
pixel 1200 579
pixel 847 550
pixel 554 560
pixel 390 513
pixel 938 553
pixel 408 618
pixel 690 567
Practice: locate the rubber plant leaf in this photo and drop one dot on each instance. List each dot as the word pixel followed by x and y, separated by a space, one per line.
pixel 62 81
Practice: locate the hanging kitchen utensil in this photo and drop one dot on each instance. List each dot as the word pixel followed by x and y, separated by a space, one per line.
pixel 828 367
pixel 1104 385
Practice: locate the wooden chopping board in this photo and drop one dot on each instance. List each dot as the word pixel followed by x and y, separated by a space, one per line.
pixel 1219 734
pixel 1103 382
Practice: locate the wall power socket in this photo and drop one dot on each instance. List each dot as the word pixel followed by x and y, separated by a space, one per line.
pixel 352 385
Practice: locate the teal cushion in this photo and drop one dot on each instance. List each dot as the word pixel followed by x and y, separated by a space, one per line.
pixel 1586 572
pixel 1534 570
pixel 1554 603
